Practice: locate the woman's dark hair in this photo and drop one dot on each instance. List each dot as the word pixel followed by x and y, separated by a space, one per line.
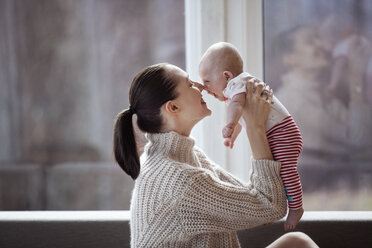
pixel 150 89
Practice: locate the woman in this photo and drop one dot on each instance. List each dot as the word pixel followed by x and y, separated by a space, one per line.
pixel 181 198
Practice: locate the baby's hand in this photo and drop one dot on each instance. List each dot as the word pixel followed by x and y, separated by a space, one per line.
pixel 227 131
pixel 229 142
pixel 230 132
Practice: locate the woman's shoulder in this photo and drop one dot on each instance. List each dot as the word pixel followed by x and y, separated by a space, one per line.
pixel 198 151
pixel 167 180
pixel 201 155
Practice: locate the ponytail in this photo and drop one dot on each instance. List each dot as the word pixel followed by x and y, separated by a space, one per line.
pixel 125 148
pixel 151 88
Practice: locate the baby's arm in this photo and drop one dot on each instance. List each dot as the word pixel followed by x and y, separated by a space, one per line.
pixel 234 112
pixel 229 142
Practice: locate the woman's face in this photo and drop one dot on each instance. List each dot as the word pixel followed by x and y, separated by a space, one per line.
pixel 192 106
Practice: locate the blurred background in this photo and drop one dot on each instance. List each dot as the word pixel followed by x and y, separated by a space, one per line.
pixel 65 71
pixel 66 67
pixel 318 59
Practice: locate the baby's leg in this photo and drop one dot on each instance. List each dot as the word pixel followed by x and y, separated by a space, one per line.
pixel 293 218
pixel 292 185
pixel 286 144
pixel 229 141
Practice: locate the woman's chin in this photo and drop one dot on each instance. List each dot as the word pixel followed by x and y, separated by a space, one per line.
pixel 205 114
pixel 206 110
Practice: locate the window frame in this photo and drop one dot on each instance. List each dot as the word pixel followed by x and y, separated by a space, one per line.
pixel 239 22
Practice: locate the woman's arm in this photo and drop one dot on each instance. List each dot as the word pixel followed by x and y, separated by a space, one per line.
pixel 255 113
pixel 212 204
pixel 209 204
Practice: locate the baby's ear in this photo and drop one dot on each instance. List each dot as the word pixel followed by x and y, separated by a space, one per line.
pixel 228 75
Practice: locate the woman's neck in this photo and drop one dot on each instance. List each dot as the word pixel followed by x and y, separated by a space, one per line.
pixel 179 126
pixel 173 145
pixel 182 131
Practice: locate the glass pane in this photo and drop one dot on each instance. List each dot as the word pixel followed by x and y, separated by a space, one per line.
pixel 318 59
pixel 65 72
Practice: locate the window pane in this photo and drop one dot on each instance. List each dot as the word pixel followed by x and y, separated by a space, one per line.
pixel 66 68
pixel 318 59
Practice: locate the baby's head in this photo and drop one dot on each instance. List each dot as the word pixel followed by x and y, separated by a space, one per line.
pixel 219 64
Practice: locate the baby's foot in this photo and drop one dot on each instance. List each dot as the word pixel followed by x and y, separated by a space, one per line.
pixel 293 218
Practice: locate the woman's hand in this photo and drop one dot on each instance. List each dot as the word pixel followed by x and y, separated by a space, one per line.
pixel 255 113
pixel 257 104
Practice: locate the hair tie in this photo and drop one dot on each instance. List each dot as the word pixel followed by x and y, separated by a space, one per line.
pixel 132 110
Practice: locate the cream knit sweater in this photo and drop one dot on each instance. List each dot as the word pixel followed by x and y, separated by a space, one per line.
pixel 182 199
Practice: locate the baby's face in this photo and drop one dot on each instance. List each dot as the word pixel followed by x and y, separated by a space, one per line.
pixel 214 82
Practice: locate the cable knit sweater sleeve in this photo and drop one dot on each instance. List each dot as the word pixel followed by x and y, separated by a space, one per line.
pixel 182 199
pixel 210 204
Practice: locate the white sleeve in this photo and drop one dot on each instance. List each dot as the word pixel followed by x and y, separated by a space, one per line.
pixel 235 86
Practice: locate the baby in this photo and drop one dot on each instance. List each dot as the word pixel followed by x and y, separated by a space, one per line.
pixel 221 70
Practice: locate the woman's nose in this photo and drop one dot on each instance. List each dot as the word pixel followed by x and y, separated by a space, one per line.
pixel 199 86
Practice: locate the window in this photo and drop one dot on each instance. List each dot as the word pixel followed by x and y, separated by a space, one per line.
pixel 66 68
pixel 318 58
pixel 335 165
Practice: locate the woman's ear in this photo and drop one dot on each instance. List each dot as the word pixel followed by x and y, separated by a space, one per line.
pixel 171 107
pixel 228 75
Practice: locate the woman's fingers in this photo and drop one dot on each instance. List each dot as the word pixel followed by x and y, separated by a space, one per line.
pixel 260 89
pixel 250 86
pixel 258 102
pixel 267 93
pixel 254 85
pixel 270 96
